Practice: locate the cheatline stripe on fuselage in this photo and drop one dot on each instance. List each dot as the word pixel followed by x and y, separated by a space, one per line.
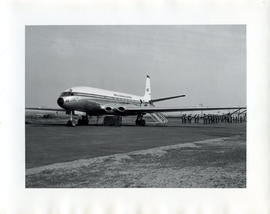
pixel 106 98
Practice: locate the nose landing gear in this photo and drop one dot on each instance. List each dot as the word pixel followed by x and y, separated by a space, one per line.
pixel 71 122
pixel 83 121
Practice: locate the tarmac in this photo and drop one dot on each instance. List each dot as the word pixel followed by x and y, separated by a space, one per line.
pixel 176 155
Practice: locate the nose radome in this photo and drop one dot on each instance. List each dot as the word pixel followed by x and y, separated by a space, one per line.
pixel 60 101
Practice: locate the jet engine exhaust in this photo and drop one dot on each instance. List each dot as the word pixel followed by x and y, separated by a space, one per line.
pixel 108 109
pixel 121 109
pixel 114 109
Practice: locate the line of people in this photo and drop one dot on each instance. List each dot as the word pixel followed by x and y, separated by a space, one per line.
pixel 213 118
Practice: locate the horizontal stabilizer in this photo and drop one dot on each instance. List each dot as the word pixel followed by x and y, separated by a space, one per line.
pixel 167 98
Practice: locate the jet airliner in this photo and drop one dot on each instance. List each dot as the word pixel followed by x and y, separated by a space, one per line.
pixel 95 102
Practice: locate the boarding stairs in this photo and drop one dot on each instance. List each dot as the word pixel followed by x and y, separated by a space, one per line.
pixel 158 118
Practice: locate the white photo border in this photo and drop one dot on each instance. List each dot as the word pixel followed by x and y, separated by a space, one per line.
pixel 15 15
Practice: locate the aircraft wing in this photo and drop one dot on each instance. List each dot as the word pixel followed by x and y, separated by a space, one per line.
pixel 45 109
pixel 136 110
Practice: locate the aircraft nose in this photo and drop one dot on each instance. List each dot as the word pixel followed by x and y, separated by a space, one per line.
pixel 60 101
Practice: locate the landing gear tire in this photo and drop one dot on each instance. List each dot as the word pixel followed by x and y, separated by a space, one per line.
pixel 140 122
pixel 71 123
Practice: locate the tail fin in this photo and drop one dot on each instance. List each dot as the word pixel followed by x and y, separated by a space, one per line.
pixel 147 92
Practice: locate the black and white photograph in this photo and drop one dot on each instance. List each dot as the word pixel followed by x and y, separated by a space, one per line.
pixel 135 106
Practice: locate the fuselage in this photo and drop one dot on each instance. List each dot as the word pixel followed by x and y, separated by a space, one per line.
pixel 95 101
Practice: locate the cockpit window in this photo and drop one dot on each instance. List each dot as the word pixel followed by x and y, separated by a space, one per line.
pixel 64 94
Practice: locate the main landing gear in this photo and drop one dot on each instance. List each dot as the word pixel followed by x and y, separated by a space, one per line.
pixel 83 121
pixel 140 121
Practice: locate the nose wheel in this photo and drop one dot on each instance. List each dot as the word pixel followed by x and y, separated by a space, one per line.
pixel 71 123
pixel 140 121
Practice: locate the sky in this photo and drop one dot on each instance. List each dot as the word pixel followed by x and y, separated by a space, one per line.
pixel 205 62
